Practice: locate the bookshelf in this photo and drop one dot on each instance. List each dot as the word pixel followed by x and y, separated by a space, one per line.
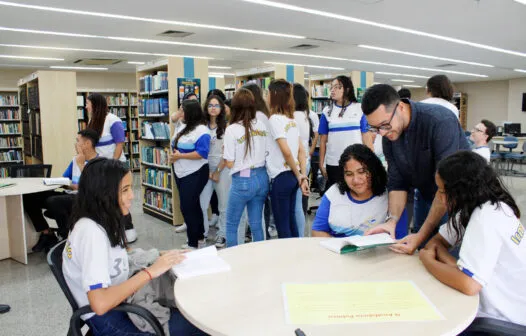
pixel 320 93
pixel 460 100
pixel 11 141
pixel 48 126
pixel 261 76
pixel 82 113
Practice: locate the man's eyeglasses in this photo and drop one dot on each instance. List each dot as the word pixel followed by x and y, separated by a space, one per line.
pixel 385 126
pixel 477 130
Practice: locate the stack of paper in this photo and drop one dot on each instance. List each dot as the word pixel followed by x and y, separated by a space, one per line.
pixel 201 262
pixel 355 243
pixel 57 181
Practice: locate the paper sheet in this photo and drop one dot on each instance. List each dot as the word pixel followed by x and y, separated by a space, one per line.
pixel 336 303
pixel 201 262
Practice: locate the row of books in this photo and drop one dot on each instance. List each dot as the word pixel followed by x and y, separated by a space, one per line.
pixel 158 178
pixel 32 97
pixel 9 114
pixel 156 130
pixel 318 105
pixel 135 148
pixel 135 163
pixel 119 99
pixel 10 142
pixel 154 106
pixel 9 128
pixel 159 200
pixel 134 100
pixel 9 100
pixel 134 123
pixel 263 82
pixel 155 82
pixel 134 112
pixel 323 90
pixel 4 172
pixel 82 125
pixel 155 155
pixel 80 113
pixel 121 112
pixel 80 101
pixel 12 155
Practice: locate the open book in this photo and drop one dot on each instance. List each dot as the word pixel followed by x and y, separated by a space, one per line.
pixel 57 181
pixel 201 262
pixel 356 243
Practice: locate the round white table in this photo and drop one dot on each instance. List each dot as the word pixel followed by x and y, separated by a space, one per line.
pixel 248 300
pixel 13 243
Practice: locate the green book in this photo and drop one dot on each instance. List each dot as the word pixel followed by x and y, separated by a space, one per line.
pixel 356 243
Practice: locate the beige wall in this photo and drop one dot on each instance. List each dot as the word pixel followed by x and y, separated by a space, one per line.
pixel 516 88
pixel 9 78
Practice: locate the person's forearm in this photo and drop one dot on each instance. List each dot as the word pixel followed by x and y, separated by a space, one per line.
pixel 229 164
pixel 190 156
pixel 221 165
pixel 118 150
pixel 437 211
pixel 367 139
pixel 322 234
pixel 444 256
pixel 397 202
pixel 314 142
pixel 289 159
pixel 323 148
pixel 449 275
pixel 302 156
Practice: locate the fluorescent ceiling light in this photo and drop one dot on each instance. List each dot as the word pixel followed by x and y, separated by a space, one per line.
pixel 402 80
pixel 521 1
pixel 213 74
pixel 399 74
pixel 307 66
pixel 384 26
pixel 424 56
pixel 32 58
pixel 218 67
pixel 519 70
pixel 411 86
pixel 78 68
pixel 137 63
pixel 136 18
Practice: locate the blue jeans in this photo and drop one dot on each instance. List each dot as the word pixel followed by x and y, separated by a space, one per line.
pixel 116 323
pixel 299 214
pixel 420 213
pixel 283 198
pixel 250 192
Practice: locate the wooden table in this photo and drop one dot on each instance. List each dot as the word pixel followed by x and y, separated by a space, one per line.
pixel 248 300
pixel 13 243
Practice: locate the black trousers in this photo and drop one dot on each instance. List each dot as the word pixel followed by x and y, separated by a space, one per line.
pixel 60 207
pixel 334 175
pixel 33 205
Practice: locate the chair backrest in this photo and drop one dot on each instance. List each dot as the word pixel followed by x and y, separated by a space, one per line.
pixel 511 138
pixel 524 147
pixel 37 170
pixel 54 260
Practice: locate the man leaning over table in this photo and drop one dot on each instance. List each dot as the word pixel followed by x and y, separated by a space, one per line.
pixel 416 136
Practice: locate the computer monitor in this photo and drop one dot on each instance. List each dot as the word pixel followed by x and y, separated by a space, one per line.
pixel 512 128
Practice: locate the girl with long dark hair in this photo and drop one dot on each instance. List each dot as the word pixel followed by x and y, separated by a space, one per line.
pixel 341 124
pixel 190 146
pixel 245 151
pixel 95 260
pixel 484 220
pixel 286 160
pixel 440 92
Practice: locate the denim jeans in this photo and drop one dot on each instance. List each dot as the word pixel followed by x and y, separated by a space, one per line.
pixel 420 213
pixel 299 214
pixel 221 188
pixel 249 192
pixel 190 188
pixel 283 198
pixel 116 323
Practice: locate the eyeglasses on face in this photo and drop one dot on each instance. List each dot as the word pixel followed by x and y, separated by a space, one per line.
pixel 385 126
pixel 214 106
pixel 475 129
pixel 336 87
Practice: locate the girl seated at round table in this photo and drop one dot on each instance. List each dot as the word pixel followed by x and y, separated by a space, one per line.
pixel 358 201
pixel 484 221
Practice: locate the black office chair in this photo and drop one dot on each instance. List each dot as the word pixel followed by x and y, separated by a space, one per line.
pixel 54 260
pixel 485 326
pixel 37 170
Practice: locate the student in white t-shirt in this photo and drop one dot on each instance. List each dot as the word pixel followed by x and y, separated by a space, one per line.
pixel 484 221
pixel 440 92
pixel 359 201
pixel 190 148
pixel 286 160
pixel 95 260
pixel 245 150
pixel 341 124
pixel 481 134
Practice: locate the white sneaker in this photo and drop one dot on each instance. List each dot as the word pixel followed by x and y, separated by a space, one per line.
pixel 214 220
pixel 200 244
pixel 272 232
pixel 220 242
pixel 180 228
pixel 131 235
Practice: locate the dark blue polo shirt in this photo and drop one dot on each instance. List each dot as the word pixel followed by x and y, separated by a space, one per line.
pixel 433 134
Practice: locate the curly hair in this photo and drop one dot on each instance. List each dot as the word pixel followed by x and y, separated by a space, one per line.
pixel 469 182
pixel 221 118
pixel 370 162
pixel 98 198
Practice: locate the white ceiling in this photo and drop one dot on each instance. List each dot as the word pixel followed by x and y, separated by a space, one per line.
pixel 497 23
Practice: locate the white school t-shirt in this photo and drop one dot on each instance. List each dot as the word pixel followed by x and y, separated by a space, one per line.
pixel 493 254
pixel 216 149
pixel 282 127
pixel 263 118
pixel 341 131
pixel 198 140
pixel 342 216
pixel 304 129
pixel 112 134
pixel 89 262
pixel 484 152
pixel 442 102
pixel 234 146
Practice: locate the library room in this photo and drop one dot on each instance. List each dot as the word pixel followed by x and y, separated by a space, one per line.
pixel 254 167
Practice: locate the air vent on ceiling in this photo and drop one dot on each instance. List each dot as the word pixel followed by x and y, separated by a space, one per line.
pixel 320 39
pixel 175 33
pixel 98 61
pixel 447 65
pixel 304 46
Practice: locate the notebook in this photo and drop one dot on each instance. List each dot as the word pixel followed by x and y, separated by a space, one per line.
pixel 5 185
pixel 201 262
pixel 57 181
pixel 356 243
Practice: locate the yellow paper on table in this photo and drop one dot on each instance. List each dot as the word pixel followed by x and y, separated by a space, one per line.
pixel 336 303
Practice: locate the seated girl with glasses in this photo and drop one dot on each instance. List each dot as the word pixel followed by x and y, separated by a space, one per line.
pixel 358 201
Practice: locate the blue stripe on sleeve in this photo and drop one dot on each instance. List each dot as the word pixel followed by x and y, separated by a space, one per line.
pixel 95 286
pixel 321 221
pixel 467 272
pixel 69 171
pixel 202 146
pixel 364 125
pixel 323 129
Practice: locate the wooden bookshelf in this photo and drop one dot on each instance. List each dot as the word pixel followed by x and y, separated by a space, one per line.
pixel 11 139
pixel 460 100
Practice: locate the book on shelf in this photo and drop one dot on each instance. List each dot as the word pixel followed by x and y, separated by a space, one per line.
pixel 9 114
pixel 121 112
pixel 155 155
pixel 156 82
pixel 10 128
pixel 80 100
pixel 8 100
pixel 57 181
pixel 154 106
pixel 11 155
pixel 10 142
pixel 318 105
pixel 134 100
pixel 158 178
pixel 135 148
pixel 201 262
pixel 156 130
pixel 80 113
pixel 356 243
pixel 159 200
pixel 323 90
pixel 119 99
